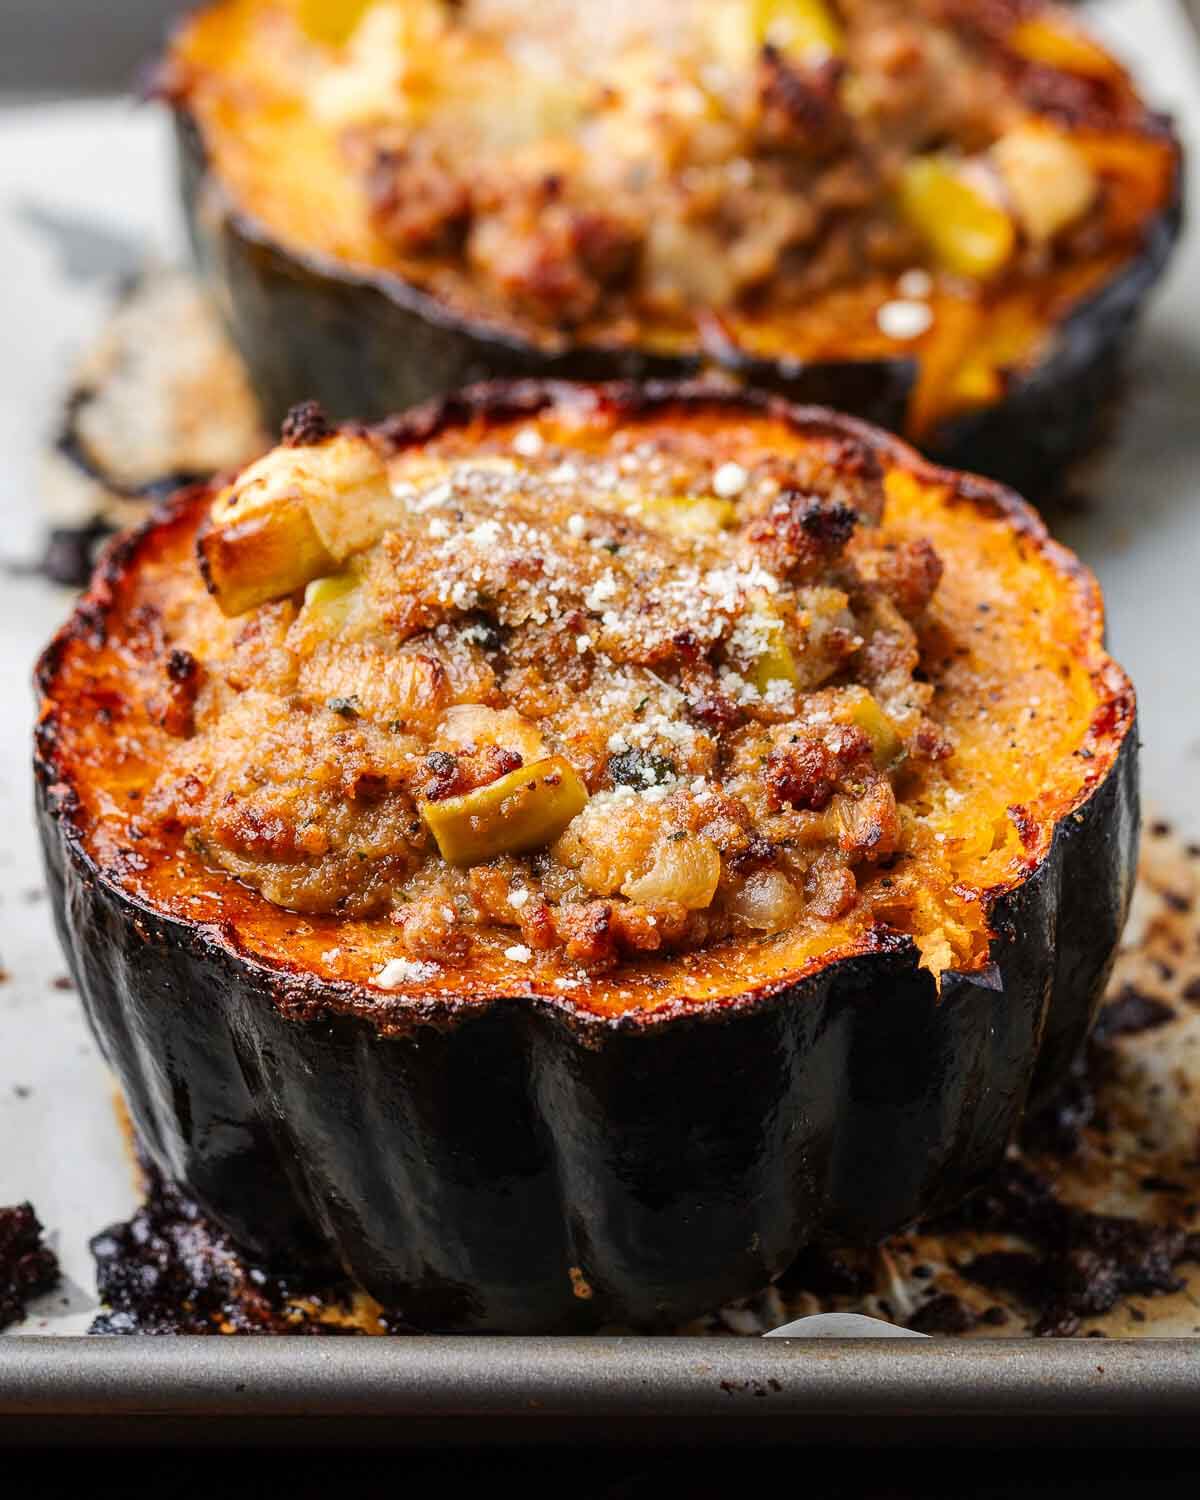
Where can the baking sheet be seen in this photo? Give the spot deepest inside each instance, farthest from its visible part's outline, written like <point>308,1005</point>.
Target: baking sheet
<point>84,195</point>
<point>912,1392</point>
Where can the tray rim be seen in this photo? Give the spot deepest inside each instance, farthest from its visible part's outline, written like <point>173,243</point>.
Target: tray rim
<point>431,1390</point>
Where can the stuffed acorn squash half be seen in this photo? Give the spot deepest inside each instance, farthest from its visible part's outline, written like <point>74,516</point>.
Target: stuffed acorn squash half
<point>557,852</point>
<point>942,215</point>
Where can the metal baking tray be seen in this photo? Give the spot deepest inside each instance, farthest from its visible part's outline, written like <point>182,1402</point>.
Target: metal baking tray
<point>84,196</point>
<point>623,1391</point>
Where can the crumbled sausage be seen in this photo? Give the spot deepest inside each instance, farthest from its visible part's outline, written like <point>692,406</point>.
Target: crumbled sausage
<point>805,772</point>
<point>908,572</point>
<point>451,775</point>
<point>419,201</point>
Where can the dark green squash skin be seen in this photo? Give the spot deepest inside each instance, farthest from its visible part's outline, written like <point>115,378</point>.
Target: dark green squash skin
<point>477,1165</point>
<point>366,346</point>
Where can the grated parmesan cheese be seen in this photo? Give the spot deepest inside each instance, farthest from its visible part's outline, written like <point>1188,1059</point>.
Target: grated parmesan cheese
<point>398,972</point>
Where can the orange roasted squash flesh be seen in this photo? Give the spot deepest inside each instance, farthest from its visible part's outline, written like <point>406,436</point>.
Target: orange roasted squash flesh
<point>1012,644</point>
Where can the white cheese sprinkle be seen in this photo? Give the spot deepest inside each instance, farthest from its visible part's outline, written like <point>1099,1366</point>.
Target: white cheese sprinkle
<point>903,319</point>
<point>583,643</point>
<point>401,971</point>
<point>331,955</point>
<point>519,897</point>
<point>486,534</point>
<point>604,589</point>
<point>463,596</point>
<point>519,953</point>
<point>431,499</point>
<point>438,529</point>
<point>916,283</point>
<point>576,525</point>
<point>528,442</point>
<point>729,480</point>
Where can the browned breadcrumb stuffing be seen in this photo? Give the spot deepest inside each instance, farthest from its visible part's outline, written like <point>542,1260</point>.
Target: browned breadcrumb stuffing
<point>611,703</point>
<point>725,654</point>
<point>304,425</point>
<point>700,155</point>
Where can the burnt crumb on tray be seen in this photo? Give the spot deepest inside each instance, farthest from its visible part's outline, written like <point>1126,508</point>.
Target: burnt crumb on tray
<point>1084,1262</point>
<point>28,1269</point>
<point>168,1269</point>
<point>1057,1130</point>
<point>1079,1263</point>
<point>1130,1012</point>
<point>944,1314</point>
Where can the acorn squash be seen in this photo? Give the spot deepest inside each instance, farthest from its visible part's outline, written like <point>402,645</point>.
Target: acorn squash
<point>689,988</point>
<point>944,218</point>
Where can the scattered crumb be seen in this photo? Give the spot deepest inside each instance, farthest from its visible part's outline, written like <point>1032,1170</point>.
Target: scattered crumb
<point>27,1268</point>
<point>169,1270</point>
